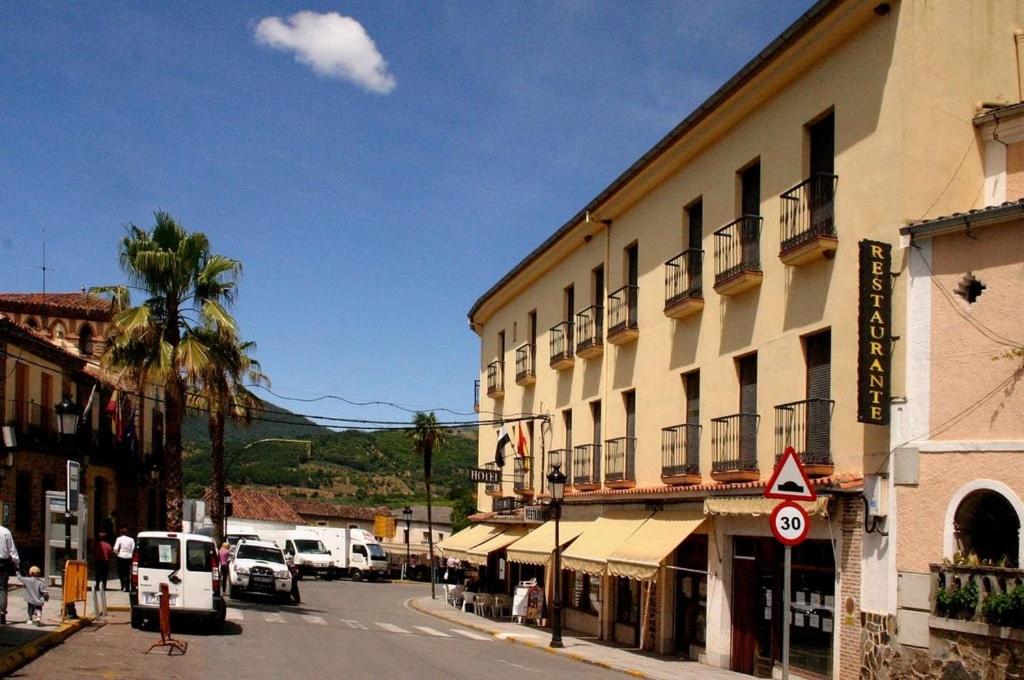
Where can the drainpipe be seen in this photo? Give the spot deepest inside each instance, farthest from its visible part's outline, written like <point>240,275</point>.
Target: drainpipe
<point>1018,39</point>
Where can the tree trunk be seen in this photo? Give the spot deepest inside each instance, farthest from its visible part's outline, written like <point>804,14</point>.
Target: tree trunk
<point>174,396</point>
<point>216,426</point>
<point>427,455</point>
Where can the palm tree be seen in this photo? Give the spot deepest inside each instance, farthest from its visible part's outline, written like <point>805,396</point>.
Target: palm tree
<point>222,394</point>
<point>187,287</point>
<point>427,435</point>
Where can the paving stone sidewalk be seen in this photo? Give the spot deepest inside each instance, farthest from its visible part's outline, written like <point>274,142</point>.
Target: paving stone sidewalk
<point>587,650</point>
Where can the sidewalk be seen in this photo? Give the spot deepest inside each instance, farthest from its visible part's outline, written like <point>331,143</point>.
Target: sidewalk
<point>638,664</point>
<point>20,641</point>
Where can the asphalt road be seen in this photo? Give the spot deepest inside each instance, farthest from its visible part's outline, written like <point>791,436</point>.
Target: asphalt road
<point>341,630</point>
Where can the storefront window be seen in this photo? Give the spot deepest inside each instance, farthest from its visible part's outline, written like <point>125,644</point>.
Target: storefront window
<point>627,601</point>
<point>691,593</point>
<point>581,592</point>
<point>813,607</point>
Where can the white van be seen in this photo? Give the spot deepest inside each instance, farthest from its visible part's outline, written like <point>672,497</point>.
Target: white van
<point>309,554</point>
<point>189,565</point>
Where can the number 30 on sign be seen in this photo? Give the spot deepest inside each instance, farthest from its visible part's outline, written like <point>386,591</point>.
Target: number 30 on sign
<point>790,523</point>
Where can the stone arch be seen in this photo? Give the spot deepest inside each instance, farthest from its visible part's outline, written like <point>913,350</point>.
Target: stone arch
<point>85,340</point>
<point>965,526</point>
<point>32,322</point>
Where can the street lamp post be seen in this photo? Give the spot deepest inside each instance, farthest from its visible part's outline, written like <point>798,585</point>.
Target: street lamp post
<point>228,509</point>
<point>556,485</point>
<point>407,515</point>
<point>68,413</point>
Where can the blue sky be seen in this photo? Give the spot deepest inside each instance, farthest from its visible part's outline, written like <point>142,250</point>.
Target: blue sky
<point>372,191</point>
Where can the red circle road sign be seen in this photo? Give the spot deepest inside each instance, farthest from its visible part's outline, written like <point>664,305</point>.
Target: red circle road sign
<point>790,523</point>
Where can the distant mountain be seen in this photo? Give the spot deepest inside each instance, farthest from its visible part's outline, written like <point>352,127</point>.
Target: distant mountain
<point>353,466</point>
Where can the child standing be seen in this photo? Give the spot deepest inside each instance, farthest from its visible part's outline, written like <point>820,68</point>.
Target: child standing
<point>35,595</point>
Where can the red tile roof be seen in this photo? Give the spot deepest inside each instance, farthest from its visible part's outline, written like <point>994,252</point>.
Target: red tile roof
<point>76,305</point>
<point>842,481</point>
<point>316,508</point>
<point>260,505</point>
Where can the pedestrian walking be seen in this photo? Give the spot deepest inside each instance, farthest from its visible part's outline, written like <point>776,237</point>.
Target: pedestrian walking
<point>35,595</point>
<point>124,547</point>
<point>102,554</point>
<point>9,565</point>
<point>225,555</point>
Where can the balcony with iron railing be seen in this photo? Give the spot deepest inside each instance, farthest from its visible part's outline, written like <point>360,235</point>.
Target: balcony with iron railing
<point>35,427</point>
<point>496,379</point>
<point>734,448</point>
<point>560,346</point>
<point>522,475</point>
<point>684,291</point>
<point>33,423</point>
<point>586,467</point>
<point>492,489</point>
<point>738,256</point>
<point>590,332</point>
<point>807,220</point>
<point>622,315</point>
<point>680,455</point>
<point>807,427</point>
<point>978,600</point>
<point>526,364</point>
<point>620,463</point>
<point>476,396</point>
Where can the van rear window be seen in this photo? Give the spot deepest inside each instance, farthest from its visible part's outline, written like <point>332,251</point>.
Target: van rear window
<point>159,553</point>
<point>198,555</point>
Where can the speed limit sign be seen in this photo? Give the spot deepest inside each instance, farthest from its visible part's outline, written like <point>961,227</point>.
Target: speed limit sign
<point>790,523</point>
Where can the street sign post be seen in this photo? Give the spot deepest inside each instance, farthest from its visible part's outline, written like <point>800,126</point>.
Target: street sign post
<point>485,476</point>
<point>790,524</point>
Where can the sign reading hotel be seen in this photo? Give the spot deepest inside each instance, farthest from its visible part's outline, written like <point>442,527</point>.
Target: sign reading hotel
<point>874,356</point>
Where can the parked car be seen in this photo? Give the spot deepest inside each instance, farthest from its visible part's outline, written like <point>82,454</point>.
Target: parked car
<point>259,567</point>
<point>309,554</point>
<point>189,565</point>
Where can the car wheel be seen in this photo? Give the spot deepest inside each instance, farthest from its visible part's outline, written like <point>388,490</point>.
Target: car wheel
<point>137,619</point>
<point>357,575</point>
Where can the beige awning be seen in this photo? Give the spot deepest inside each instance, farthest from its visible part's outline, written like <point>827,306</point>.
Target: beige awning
<point>746,505</point>
<point>643,552</point>
<point>458,544</point>
<point>478,554</point>
<point>536,547</point>
<point>590,552</point>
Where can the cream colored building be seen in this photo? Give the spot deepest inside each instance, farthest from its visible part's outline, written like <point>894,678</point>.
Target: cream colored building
<point>701,314</point>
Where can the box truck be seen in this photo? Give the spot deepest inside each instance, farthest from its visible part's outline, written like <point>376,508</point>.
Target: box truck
<point>309,553</point>
<point>355,553</point>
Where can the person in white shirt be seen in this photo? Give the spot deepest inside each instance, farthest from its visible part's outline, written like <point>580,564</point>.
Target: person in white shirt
<point>124,546</point>
<point>10,563</point>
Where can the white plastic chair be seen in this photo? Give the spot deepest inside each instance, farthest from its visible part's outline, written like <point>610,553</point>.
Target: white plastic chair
<point>484,604</point>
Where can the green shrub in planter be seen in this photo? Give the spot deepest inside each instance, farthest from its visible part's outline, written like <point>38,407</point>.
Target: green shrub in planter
<point>1005,609</point>
<point>959,602</point>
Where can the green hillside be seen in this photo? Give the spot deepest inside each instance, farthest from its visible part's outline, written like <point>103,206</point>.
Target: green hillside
<point>353,466</point>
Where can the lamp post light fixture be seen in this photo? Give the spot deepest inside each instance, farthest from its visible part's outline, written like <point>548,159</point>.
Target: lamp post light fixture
<point>407,515</point>
<point>228,509</point>
<point>556,484</point>
<point>68,413</point>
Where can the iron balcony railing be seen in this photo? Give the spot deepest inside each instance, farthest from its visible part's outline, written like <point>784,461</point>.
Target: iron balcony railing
<point>589,328</point>
<point>620,459</point>
<point>495,378</point>
<point>808,210</point>
<point>522,474</point>
<point>807,427</point>
<point>560,342</point>
<point>734,443</point>
<point>526,362</point>
<point>683,277</point>
<point>586,464</point>
<point>738,248</point>
<point>491,488</point>
<point>476,395</point>
<point>622,309</point>
<point>680,450</point>
<point>30,419</point>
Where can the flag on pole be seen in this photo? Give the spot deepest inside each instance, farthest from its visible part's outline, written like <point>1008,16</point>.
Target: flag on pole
<point>87,411</point>
<point>114,411</point>
<point>521,442</point>
<point>503,438</point>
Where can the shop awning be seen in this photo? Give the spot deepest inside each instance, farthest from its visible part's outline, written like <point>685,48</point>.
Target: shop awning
<point>478,555</point>
<point>458,544</point>
<point>746,505</point>
<point>602,537</point>
<point>536,547</point>
<point>643,552</point>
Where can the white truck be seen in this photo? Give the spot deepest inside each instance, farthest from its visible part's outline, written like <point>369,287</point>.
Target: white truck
<point>354,552</point>
<point>310,555</point>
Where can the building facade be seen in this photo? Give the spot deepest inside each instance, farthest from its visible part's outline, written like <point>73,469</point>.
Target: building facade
<point>703,313</point>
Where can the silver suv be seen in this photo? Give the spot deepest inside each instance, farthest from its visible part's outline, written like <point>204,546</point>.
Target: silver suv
<point>259,567</point>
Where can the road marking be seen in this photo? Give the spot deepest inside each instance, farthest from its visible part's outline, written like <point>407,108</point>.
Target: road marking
<point>273,618</point>
<point>471,635</point>
<point>352,623</point>
<point>513,636</point>
<point>309,618</point>
<point>392,628</point>
<point>431,631</point>
<point>235,615</point>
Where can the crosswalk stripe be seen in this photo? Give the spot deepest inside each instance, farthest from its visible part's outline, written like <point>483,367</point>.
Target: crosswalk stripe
<point>431,631</point>
<point>235,615</point>
<point>471,635</point>
<point>352,623</point>
<point>310,618</point>
<point>391,628</point>
<point>273,618</point>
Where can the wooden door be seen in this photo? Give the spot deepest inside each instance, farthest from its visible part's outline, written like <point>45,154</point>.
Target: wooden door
<point>744,614</point>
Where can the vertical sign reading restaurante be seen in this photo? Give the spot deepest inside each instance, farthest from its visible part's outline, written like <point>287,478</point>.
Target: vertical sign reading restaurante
<point>874,356</point>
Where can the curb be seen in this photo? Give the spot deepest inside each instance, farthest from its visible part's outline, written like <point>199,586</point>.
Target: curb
<point>20,656</point>
<point>527,643</point>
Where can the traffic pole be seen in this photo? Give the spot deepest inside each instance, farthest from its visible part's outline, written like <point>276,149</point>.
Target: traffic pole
<point>786,616</point>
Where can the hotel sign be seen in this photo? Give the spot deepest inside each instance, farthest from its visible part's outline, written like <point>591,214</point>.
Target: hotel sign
<point>874,360</point>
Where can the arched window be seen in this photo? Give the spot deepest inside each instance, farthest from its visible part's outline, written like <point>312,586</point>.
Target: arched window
<point>987,525</point>
<point>57,331</point>
<point>32,322</point>
<point>85,340</point>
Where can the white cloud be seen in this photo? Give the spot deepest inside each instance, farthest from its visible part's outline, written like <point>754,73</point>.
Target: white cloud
<point>332,45</point>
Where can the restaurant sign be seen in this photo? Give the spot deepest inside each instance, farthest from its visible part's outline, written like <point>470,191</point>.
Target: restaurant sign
<point>874,356</point>
<point>506,504</point>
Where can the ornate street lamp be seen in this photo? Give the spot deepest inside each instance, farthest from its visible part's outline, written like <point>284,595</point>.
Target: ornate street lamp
<point>68,413</point>
<point>556,484</point>
<point>407,515</point>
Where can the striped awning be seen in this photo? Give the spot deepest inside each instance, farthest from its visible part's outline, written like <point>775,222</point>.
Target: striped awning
<point>590,552</point>
<point>536,547</point>
<point>641,555</point>
<point>757,506</point>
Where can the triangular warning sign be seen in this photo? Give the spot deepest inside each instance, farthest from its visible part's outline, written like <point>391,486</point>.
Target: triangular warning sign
<point>789,482</point>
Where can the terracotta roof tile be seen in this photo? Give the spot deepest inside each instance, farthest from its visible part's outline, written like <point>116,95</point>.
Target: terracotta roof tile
<point>316,508</point>
<point>843,481</point>
<point>260,505</point>
<point>70,304</point>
